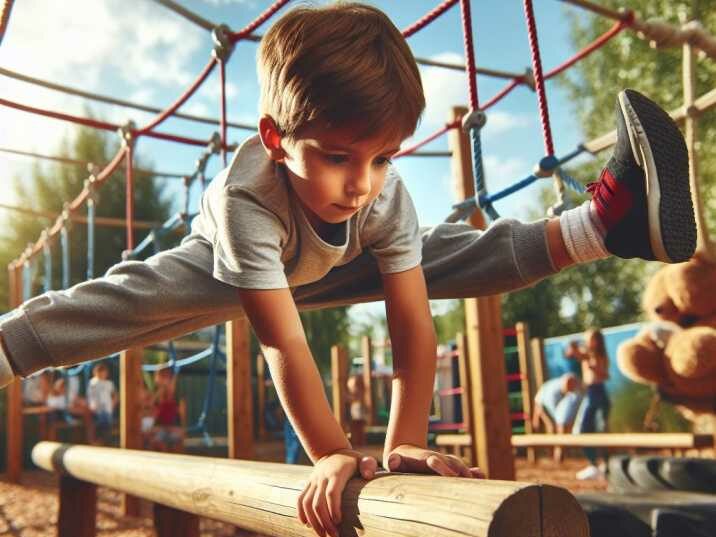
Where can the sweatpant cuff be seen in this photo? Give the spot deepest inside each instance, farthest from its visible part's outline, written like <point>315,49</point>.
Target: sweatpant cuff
<point>28,352</point>
<point>532,251</point>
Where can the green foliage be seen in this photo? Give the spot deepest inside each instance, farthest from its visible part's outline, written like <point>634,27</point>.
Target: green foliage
<point>50,187</point>
<point>448,324</point>
<point>630,405</point>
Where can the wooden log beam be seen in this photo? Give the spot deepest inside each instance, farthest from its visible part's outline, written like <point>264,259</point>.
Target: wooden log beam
<point>262,497</point>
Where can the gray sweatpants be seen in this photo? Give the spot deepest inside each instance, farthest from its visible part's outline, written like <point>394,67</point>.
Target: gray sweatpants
<point>172,293</point>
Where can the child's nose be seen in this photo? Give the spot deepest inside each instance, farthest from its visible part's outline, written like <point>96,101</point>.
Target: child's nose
<point>360,184</point>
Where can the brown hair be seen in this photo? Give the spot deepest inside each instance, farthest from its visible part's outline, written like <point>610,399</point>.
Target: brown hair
<point>339,64</point>
<point>601,349</point>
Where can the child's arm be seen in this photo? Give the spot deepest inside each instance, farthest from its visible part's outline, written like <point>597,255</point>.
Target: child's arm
<point>414,361</point>
<point>275,320</point>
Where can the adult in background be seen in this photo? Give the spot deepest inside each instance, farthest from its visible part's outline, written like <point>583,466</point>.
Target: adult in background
<point>595,373</point>
<point>556,405</point>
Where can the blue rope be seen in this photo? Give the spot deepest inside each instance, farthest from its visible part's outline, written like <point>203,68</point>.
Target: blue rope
<point>90,238</point>
<point>478,172</point>
<point>27,280</point>
<point>65,244</point>
<point>47,255</point>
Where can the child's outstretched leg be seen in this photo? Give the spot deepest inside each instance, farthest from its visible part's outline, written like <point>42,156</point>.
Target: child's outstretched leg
<point>641,206</point>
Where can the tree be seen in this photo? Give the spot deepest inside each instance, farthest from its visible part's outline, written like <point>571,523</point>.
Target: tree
<point>49,188</point>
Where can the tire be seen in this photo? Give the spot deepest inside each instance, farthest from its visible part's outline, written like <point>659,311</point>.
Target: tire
<point>618,474</point>
<point>667,522</point>
<point>607,521</point>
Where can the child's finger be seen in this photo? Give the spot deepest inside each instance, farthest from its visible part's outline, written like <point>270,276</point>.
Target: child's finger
<point>299,505</point>
<point>367,467</point>
<point>307,504</point>
<point>334,491</point>
<point>477,473</point>
<point>440,467</point>
<point>320,509</point>
<point>458,466</point>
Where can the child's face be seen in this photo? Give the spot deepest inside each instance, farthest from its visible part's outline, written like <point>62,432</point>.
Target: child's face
<point>333,174</point>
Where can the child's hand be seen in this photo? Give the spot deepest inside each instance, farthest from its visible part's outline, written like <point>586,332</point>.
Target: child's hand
<point>319,505</point>
<point>416,460</point>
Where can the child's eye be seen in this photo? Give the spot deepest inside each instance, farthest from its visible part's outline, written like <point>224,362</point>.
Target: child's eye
<point>383,161</point>
<point>335,158</point>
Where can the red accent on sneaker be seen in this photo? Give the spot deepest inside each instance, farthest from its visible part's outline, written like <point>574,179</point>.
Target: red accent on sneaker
<point>611,198</point>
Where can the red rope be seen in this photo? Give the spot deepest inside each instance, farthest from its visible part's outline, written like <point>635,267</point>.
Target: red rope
<point>129,206</point>
<point>243,33</point>
<point>428,18</point>
<point>502,93</point>
<point>58,115</point>
<point>182,98</point>
<point>469,52</point>
<point>88,122</point>
<point>586,51</point>
<point>539,78</point>
<point>222,126</point>
<point>5,17</point>
<point>407,151</point>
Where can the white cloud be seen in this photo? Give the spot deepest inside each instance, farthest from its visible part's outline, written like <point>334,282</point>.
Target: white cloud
<point>499,122</point>
<point>501,172</point>
<point>198,108</point>
<point>444,88</point>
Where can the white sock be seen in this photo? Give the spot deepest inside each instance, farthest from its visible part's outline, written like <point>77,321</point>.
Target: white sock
<point>582,236</point>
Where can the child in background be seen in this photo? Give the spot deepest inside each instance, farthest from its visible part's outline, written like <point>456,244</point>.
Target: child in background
<point>167,434</point>
<point>556,404</point>
<point>356,393</point>
<point>63,404</point>
<point>102,399</point>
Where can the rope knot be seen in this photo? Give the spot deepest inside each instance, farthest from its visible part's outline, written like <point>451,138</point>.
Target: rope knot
<point>126,133</point>
<point>475,119</point>
<point>627,16</point>
<point>528,79</point>
<point>223,46</point>
<point>546,166</point>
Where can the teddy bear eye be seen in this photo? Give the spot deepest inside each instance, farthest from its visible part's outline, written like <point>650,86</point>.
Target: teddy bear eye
<point>658,309</point>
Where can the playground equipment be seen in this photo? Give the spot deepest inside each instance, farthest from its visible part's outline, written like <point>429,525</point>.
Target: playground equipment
<point>489,416</point>
<point>261,497</point>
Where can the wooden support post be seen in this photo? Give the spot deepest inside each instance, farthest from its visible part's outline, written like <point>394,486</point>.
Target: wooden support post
<point>339,377</point>
<point>239,397</point>
<point>490,427</point>
<point>367,351</point>
<point>523,355</point>
<point>14,432</point>
<point>463,363</point>
<point>538,363</point>
<point>78,508</point>
<point>703,244</point>
<point>170,522</point>
<point>130,432</point>
<point>261,394</point>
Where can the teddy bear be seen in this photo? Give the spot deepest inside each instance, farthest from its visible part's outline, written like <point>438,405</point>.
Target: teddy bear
<point>676,351</point>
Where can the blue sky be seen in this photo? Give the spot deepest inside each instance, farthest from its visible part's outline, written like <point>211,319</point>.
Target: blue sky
<point>139,50</point>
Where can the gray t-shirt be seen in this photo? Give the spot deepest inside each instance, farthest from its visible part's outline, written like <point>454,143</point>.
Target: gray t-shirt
<point>262,239</point>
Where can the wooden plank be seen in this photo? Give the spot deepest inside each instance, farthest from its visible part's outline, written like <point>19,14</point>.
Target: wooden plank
<point>527,383</point>
<point>261,394</point>
<point>261,497</point>
<point>490,420</point>
<point>14,432</point>
<point>339,376</point>
<point>239,398</point>
<point>367,351</point>
<point>635,440</point>
<point>170,522</point>
<point>77,516</point>
<point>130,432</point>
<point>631,440</point>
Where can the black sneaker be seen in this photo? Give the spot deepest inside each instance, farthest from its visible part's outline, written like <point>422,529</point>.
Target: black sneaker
<point>643,197</point>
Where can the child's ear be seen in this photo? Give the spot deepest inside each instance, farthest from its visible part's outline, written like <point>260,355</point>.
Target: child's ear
<point>271,138</point>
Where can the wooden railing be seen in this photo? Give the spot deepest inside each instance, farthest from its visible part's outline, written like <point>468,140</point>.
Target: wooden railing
<point>261,497</point>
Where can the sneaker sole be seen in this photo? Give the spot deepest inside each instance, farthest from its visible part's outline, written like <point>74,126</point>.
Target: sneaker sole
<point>657,144</point>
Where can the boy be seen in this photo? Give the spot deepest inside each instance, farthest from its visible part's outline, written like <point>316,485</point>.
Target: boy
<point>102,398</point>
<point>311,213</point>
